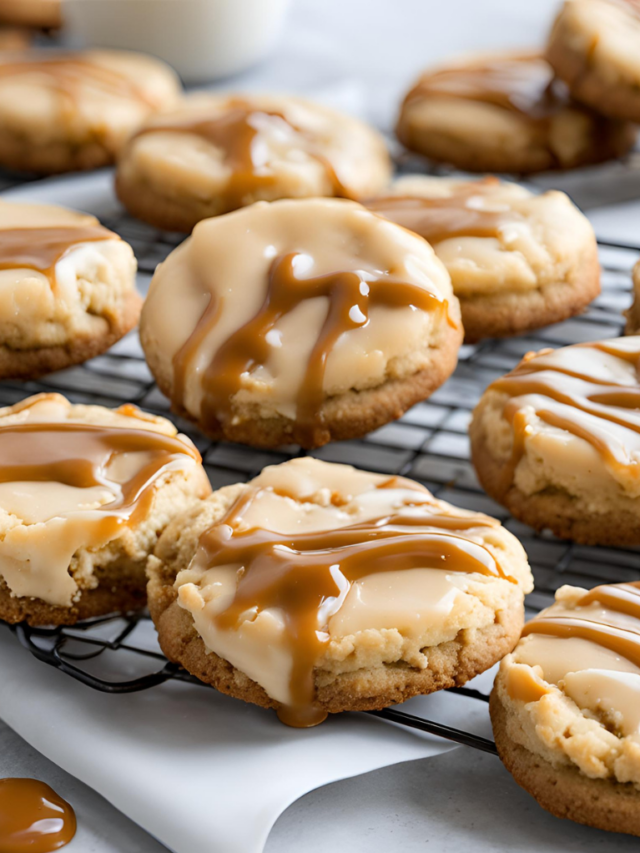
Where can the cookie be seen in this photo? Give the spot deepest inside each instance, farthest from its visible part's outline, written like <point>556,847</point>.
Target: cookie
<point>67,289</point>
<point>299,322</point>
<point>84,494</point>
<point>506,113</point>
<point>594,47</point>
<point>316,588</point>
<point>632,314</point>
<point>61,112</point>
<point>565,707</point>
<point>557,441</point>
<point>517,261</point>
<point>39,14</point>
<point>217,153</point>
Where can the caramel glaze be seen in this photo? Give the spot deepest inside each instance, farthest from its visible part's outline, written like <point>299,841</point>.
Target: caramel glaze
<point>622,598</point>
<point>575,402</point>
<point>438,219</point>
<point>70,74</point>
<point>306,576</point>
<point>33,818</point>
<point>77,455</point>
<point>521,84</point>
<point>350,295</point>
<point>41,248</point>
<point>235,132</point>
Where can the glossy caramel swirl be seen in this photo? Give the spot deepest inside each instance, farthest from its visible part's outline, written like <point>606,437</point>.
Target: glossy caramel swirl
<point>583,390</point>
<point>33,818</point>
<point>237,132</point>
<point>623,640</point>
<point>41,248</point>
<point>78,455</point>
<point>350,295</point>
<point>71,486</point>
<point>441,218</point>
<point>522,84</point>
<point>306,575</point>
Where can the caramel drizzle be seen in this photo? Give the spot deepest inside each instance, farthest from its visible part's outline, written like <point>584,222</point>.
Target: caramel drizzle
<point>236,132</point>
<point>41,248</point>
<point>306,575</point>
<point>78,455</point>
<point>68,75</point>
<point>622,598</point>
<point>523,85</point>
<point>438,219</point>
<point>350,295</point>
<point>33,817</point>
<point>576,402</point>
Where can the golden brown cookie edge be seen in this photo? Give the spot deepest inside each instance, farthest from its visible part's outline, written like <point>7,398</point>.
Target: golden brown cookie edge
<point>31,363</point>
<point>565,791</point>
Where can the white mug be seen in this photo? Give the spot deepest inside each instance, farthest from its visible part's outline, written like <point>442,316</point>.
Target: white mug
<point>202,39</point>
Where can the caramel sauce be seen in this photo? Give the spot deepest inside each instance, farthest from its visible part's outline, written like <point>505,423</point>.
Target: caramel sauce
<point>622,598</point>
<point>70,74</point>
<point>305,575</point>
<point>33,818</point>
<point>235,132</point>
<point>350,295</point>
<point>523,686</point>
<point>438,219</point>
<point>41,248</point>
<point>572,400</point>
<point>521,84</point>
<point>78,455</point>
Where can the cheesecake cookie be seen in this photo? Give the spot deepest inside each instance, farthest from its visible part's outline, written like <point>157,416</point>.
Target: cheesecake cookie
<point>517,261</point>
<point>316,588</point>
<point>84,494</point>
<point>557,441</point>
<point>594,47</point>
<point>506,113</point>
<point>67,289</point>
<point>217,153</point>
<point>38,14</point>
<point>632,314</point>
<point>61,112</point>
<point>299,321</point>
<point>565,707</point>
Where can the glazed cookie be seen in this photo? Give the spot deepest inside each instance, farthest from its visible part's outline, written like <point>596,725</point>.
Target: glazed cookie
<point>595,48</point>
<point>317,588</point>
<point>299,321</point>
<point>63,112</point>
<point>67,289</point>
<point>39,14</point>
<point>633,313</point>
<point>517,261</point>
<point>557,441</point>
<point>84,494</point>
<point>565,707</point>
<point>506,113</point>
<point>217,153</point>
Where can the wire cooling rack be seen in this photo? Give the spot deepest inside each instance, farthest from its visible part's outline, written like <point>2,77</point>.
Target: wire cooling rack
<point>429,443</point>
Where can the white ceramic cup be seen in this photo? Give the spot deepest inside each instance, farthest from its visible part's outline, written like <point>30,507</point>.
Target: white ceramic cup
<point>202,39</point>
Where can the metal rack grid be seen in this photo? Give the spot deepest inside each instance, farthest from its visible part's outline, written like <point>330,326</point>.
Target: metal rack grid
<point>429,443</point>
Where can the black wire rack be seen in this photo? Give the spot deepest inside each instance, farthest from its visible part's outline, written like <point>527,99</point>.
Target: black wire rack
<point>429,443</point>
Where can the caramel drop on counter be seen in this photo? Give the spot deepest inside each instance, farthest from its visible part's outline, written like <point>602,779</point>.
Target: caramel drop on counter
<point>33,818</point>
